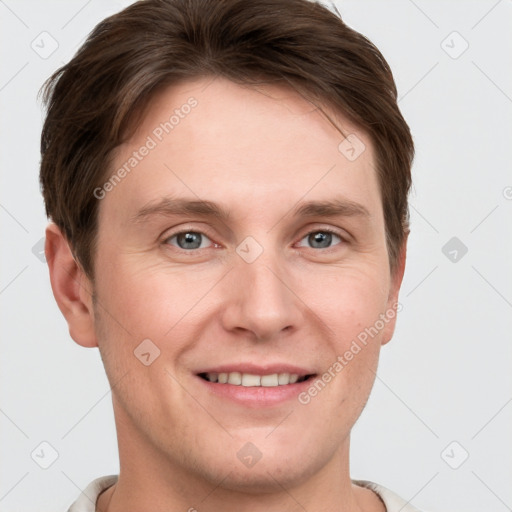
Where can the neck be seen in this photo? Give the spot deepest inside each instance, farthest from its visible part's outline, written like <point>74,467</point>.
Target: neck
<point>148,480</point>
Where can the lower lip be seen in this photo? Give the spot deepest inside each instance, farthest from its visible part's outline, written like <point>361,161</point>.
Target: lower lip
<point>257,396</point>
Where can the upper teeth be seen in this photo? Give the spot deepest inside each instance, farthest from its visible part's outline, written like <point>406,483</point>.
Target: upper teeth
<point>248,379</point>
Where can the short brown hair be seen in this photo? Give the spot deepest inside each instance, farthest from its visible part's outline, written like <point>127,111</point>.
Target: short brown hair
<point>94,102</point>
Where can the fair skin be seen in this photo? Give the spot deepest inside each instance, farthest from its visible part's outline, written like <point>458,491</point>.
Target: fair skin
<point>258,154</point>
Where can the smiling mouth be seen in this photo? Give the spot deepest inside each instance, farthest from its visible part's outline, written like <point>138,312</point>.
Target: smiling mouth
<point>252,380</point>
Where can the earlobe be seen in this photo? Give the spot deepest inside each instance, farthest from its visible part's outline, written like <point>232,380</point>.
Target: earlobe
<point>72,289</point>
<point>393,305</point>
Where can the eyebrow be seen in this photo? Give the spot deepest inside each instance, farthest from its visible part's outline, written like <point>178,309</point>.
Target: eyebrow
<point>337,207</point>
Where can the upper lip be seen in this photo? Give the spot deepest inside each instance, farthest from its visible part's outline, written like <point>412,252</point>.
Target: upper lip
<point>254,369</point>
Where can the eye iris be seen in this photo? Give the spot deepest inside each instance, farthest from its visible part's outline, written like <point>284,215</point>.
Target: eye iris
<point>190,240</point>
<point>320,240</point>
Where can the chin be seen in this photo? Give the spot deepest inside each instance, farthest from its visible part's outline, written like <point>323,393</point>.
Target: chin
<point>269,465</point>
<point>265,477</point>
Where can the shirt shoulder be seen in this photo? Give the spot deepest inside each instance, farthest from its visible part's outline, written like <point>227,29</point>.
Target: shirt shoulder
<point>392,501</point>
<point>86,502</point>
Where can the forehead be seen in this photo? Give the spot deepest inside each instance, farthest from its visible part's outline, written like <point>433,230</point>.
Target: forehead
<point>219,141</point>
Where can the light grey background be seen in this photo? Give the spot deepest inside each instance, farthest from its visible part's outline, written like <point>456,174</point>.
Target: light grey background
<point>446,376</point>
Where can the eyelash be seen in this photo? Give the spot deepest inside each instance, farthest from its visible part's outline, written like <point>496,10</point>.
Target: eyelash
<point>326,230</point>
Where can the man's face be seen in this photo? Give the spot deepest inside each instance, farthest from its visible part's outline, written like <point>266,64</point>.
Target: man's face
<point>269,289</point>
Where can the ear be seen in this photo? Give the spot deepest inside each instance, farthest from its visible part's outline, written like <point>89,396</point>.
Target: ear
<point>393,306</point>
<point>71,287</point>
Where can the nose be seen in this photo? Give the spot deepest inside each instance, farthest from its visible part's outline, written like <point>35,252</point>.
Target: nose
<point>260,299</point>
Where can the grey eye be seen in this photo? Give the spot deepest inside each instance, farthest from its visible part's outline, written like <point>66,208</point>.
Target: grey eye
<point>188,240</point>
<point>321,239</point>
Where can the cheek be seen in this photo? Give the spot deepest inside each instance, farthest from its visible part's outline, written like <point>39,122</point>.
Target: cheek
<point>140,302</point>
<point>151,300</point>
<point>147,300</point>
<point>347,300</point>
<point>351,307</point>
